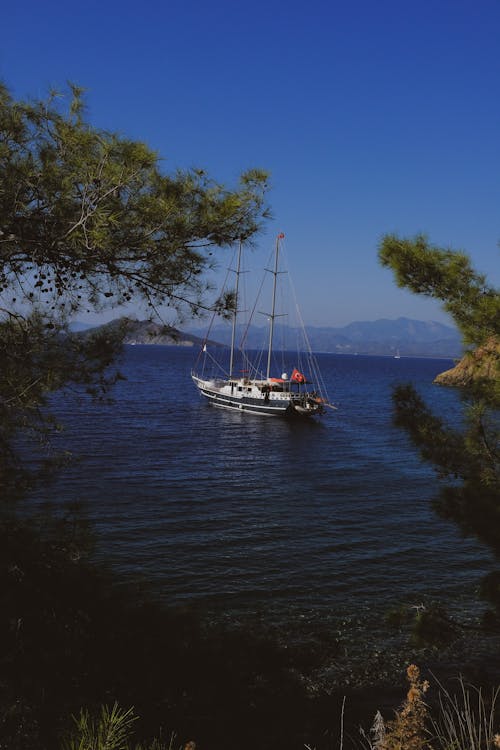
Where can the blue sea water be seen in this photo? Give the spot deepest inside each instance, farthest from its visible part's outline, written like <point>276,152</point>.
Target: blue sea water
<point>244,516</point>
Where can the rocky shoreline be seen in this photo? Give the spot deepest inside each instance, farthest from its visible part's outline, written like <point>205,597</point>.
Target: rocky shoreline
<point>481,363</point>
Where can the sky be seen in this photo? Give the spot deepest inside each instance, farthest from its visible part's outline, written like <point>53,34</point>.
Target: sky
<point>371,117</point>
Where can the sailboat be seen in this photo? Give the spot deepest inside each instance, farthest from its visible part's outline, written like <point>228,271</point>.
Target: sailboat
<point>263,392</point>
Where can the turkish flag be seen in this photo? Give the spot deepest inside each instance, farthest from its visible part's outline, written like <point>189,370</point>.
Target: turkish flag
<point>297,376</point>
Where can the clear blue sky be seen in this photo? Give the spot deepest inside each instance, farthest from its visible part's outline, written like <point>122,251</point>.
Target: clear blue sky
<point>371,117</point>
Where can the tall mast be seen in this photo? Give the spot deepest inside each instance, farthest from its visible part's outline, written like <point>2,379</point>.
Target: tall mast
<point>273,309</point>
<point>235,312</point>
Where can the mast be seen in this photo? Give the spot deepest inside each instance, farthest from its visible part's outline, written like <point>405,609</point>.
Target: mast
<point>235,312</point>
<point>273,308</point>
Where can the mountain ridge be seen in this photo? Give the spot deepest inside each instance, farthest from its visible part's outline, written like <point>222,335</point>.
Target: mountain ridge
<point>383,337</point>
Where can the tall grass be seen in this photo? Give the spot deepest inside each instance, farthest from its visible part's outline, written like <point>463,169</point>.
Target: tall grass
<point>466,720</point>
<point>112,730</point>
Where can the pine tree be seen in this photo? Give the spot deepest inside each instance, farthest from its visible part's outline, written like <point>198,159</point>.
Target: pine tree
<point>89,221</point>
<point>470,456</point>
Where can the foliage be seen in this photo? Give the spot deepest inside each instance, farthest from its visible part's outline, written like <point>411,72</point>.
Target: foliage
<point>468,456</point>
<point>428,625</point>
<point>407,730</point>
<point>71,636</point>
<point>433,627</point>
<point>88,221</point>
<point>86,215</point>
<point>466,720</point>
<point>448,276</point>
<point>38,358</point>
<point>110,731</point>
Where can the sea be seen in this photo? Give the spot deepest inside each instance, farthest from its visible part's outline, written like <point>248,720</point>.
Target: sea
<point>313,531</point>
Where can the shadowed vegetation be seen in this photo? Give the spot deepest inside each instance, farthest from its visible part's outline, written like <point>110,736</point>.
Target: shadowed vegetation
<point>89,221</point>
<point>468,458</point>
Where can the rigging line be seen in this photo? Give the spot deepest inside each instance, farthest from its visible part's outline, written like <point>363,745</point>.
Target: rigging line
<point>218,364</point>
<point>313,360</point>
<point>214,313</point>
<point>224,287</point>
<point>257,367</point>
<point>251,316</point>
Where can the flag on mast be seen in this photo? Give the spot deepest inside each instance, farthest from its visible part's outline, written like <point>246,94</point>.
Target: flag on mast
<point>297,376</point>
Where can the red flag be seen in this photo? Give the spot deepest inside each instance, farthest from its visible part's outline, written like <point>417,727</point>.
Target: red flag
<point>297,376</point>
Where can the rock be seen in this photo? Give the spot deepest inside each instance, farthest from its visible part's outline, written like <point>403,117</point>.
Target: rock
<point>481,363</point>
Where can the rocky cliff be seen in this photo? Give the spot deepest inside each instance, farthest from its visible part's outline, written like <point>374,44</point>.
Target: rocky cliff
<point>483,362</point>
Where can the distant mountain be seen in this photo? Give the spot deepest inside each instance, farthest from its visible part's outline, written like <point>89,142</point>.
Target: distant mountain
<point>401,330</point>
<point>380,337</point>
<point>411,338</point>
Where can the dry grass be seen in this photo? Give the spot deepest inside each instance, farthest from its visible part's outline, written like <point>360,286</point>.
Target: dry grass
<point>466,720</point>
<point>463,721</point>
<point>407,731</point>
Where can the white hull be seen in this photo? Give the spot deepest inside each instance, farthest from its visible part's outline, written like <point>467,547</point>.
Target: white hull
<point>259,397</point>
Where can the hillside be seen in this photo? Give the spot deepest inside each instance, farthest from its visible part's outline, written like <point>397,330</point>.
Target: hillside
<point>483,362</point>
<point>148,332</point>
<point>412,338</point>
